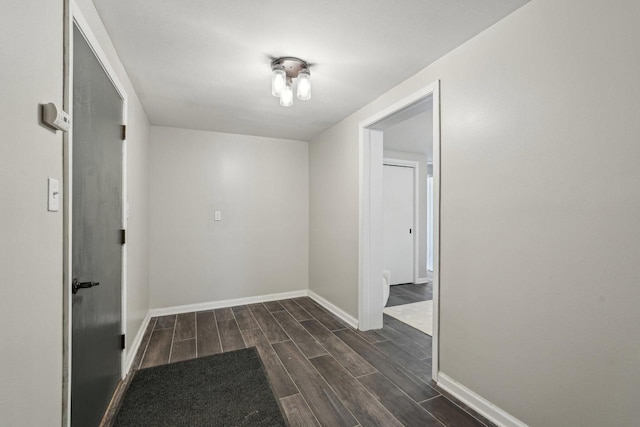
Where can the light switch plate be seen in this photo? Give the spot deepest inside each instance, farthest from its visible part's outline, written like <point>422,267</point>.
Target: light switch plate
<point>217,216</point>
<point>53,203</point>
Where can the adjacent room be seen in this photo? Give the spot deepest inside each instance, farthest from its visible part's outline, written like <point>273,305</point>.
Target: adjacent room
<point>320,213</point>
<point>407,215</point>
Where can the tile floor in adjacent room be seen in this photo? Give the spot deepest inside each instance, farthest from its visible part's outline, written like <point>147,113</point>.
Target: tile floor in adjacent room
<point>322,371</point>
<point>410,293</point>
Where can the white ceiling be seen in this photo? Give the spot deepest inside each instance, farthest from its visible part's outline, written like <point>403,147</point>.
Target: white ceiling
<point>205,64</point>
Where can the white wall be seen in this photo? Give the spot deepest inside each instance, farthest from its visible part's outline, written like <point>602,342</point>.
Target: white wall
<point>413,135</point>
<point>30,237</point>
<point>261,186</point>
<point>137,183</point>
<point>540,147</point>
<point>333,216</point>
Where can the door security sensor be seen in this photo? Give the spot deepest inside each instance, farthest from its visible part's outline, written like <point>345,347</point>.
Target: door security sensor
<point>55,117</point>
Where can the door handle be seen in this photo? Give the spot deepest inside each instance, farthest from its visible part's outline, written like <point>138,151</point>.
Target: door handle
<point>76,286</point>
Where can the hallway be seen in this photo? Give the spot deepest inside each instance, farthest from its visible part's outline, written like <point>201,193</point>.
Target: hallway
<point>322,371</point>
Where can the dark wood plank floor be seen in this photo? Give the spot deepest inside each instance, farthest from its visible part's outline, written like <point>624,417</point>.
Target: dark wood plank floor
<point>410,293</point>
<point>322,371</point>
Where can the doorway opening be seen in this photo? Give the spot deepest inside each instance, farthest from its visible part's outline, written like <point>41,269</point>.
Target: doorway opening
<point>399,216</point>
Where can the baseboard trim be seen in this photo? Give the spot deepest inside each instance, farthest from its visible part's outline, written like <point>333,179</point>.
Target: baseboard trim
<point>477,402</point>
<point>337,311</point>
<point>422,280</point>
<point>135,345</point>
<point>225,303</point>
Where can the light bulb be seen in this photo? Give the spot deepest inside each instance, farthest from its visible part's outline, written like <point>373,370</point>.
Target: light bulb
<point>286,99</point>
<point>278,80</point>
<point>304,85</point>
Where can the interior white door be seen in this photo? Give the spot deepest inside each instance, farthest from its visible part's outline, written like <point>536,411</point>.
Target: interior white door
<point>398,222</point>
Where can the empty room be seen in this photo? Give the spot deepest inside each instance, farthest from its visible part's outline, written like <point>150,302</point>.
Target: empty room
<point>320,213</point>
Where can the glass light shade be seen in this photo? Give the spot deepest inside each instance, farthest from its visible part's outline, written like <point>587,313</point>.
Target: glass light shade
<point>286,99</point>
<point>278,81</point>
<point>304,85</point>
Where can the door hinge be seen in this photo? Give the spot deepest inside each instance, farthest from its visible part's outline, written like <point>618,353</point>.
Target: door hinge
<point>123,236</point>
<point>124,132</point>
<point>122,342</point>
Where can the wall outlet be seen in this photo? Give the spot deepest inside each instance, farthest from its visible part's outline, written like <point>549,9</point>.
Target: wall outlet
<point>217,216</point>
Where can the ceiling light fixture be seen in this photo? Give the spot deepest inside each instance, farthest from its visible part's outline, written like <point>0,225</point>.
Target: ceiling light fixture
<point>284,70</point>
<point>286,98</point>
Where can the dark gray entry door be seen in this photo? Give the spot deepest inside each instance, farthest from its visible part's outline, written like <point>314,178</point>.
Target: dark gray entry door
<point>96,245</point>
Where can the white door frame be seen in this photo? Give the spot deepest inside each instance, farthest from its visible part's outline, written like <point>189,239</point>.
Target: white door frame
<point>429,222</point>
<point>73,16</point>
<point>416,209</point>
<point>370,215</point>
